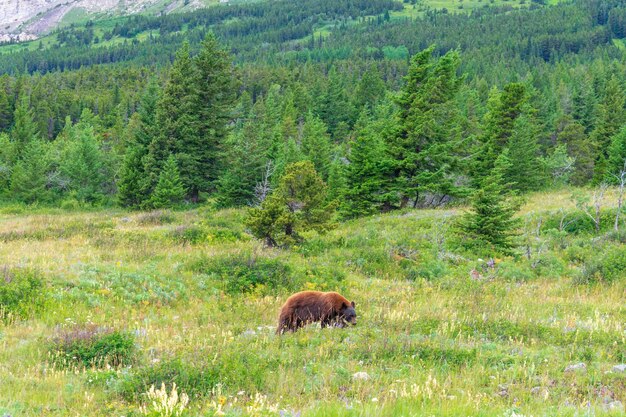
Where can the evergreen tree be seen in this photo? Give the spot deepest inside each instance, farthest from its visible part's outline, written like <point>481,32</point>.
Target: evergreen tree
<point>610,120</point>
<point>337,184</point>
<point>29,175</point>
<point>490,221</point>
<point>6,113</point>
<point>215,95</point>
<point>369,90</point>
<point>503,109</point>
<point>245,161</point>
<point>133,185</point>
<point>7,159</point>
<point>579,146</point>
<point>298,204</point>
<point>316,145</point>
<point>367,172</point>
<point>526,171</point>
<point>25,129</point>
<point>83,163</point>
<point>423,144</point>
<point>176,121</point>
<point>616,157</point>
<point>169,191</point>
<point>334,106</point>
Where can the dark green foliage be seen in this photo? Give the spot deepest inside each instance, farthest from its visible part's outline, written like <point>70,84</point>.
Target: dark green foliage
<point>616,157</point>
<point>490,221</point>
<point>93,346</point>
<point>25,129</point>
<point>28,177</point>
<point>298,205</point>
<point>169,191</point>
<point>132,185</point>
<point>609,267</point>
<point>22,294</point>
<point>423,146</point>
<point>248,273</point>
<point>316,145</point>
<point>526,172</point>
<point>504,108</point>
<point>367,174</point>
<point>580,147</point>
<point>82,163</point>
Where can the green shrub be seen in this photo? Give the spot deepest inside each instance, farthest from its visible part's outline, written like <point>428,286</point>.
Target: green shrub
<point>246,273</point>
<point>156,217</point>
<point>191,378</point>
<point>22,293</point>
<point>607,267</point>
<point>429,270</point>
<point>93,346</point>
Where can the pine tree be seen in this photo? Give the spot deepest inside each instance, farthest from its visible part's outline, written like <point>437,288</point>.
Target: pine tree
<point>29,175</point>
<point>367,172</point>
<point>503,109</point>
<point>215,95</point>
<point>334,106</point>
<point>7,159</point>
<point>579,146</point>
<point>610,120</point>
<point>83,164</point>
<point>490,221</point>
<point>369,90</point>
<point>176,118</point>
<point>337,184</point>
<point>132,185</point>
<point>526,171</point>
<point>616,157</point>
<point>299,204</point>
<point>169,191</point>
<point>316,145</point>
<point>6,113</point>
<point>25,129</point>
<point>245,161</point>
<point>423,145</point>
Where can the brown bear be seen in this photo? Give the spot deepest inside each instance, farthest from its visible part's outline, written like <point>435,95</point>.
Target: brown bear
<point>329,308</point>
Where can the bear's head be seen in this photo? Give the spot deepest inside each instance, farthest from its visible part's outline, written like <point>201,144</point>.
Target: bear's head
<point>347,315</point>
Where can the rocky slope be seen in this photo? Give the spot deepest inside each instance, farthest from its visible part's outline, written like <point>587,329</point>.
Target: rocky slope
<point>26,19</point>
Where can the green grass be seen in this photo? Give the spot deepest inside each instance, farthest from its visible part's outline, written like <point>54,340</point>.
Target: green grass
<point>433,340</point>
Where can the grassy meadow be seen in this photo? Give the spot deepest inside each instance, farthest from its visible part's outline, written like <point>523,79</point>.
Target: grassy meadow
<point>98,306</point>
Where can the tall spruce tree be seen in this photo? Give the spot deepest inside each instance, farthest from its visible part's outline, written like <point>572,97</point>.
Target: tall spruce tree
<point>611,119</point>
<point>215,94</point>
<point>367,174</point>
<point>132,185</point>
<point>504,108</point>
<point>316,145</point>
<point>526,171</point>
<point>25,128</point>
<point>83,163</point>
<point>616,157</point>
<point>491,220</point>
<point>169,191</point>
<point>423,144</point>
<point>176,120</point>
<point>29,175</point>
<point>580,147</point>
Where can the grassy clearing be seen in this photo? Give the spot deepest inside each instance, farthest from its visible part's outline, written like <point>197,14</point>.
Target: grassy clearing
<point>440,331</point>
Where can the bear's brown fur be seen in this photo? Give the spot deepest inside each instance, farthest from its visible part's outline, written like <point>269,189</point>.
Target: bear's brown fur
<point>329,308</point>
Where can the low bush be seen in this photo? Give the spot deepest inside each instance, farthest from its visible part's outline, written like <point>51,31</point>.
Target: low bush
<point>22,293</point>
<point>607,267</point>
<point>156,217</point>
<point>93,346</point>
<point>248,273</point>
